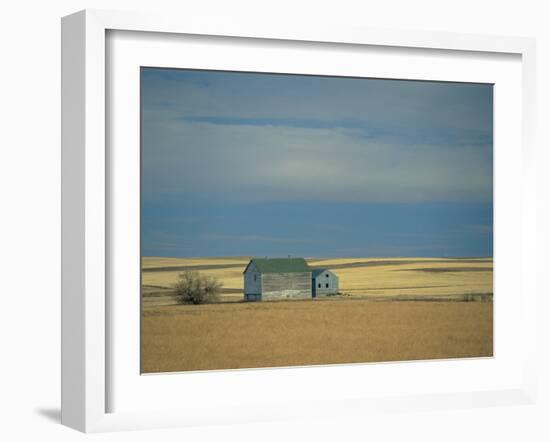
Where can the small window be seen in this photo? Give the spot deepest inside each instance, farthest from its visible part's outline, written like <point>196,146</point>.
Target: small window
<point>254,276</point>
<point>326,275</point>
<point>318,286</point>
<point>326,285</point>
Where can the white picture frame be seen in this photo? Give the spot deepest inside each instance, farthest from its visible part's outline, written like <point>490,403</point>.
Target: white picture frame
<point>86,203</point>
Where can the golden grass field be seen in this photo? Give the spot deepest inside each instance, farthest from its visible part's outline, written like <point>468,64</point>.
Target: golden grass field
<point>359,277</point>
<point>271,334</point>
<point>390,309</point>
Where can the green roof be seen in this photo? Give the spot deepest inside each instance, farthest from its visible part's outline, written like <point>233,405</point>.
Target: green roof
<point>280,265</point>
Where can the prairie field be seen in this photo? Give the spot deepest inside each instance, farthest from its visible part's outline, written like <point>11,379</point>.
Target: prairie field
<point>311,332</point>
<point>371,278</point>
<point>388,309</point>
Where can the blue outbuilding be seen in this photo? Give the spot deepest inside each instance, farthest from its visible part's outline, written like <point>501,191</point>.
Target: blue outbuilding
<point>323,282</point>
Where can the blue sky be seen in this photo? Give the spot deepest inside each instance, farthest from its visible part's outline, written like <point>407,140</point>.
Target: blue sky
<point>239,164</point>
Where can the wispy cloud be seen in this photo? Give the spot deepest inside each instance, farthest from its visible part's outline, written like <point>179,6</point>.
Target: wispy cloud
<point>279,162</point>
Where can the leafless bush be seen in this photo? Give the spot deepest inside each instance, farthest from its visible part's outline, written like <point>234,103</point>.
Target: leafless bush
<point>194,288</point>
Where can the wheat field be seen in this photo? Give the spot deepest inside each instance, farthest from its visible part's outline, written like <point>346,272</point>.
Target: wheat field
<point>311,332</point>
<point>389,309</point>
<point>359,277</point>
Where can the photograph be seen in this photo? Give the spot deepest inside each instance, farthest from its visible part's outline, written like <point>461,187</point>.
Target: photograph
<point>302,220</point>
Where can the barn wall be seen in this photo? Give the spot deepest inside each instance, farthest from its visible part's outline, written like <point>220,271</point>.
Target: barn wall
<point>286,286</point>
<point>252,287</point>
<point>332,281</point>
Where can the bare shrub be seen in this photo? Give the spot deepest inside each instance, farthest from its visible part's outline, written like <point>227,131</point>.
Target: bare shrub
<point>194,288</point>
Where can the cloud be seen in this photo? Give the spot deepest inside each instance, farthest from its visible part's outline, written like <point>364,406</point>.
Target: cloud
<point>282,137</point>
<point>284,162</point>
<point>386,104</point>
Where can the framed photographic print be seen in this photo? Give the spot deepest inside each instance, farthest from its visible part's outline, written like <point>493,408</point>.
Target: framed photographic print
<point>371,197</point>
<point>249,213</point>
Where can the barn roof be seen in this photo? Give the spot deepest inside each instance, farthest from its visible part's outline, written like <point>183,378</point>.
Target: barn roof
<point>317,272</point>
<point>280,265</point>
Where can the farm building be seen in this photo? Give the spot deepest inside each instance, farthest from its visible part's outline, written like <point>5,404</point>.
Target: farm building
<point>277,278</point>
<point>323,282</point>
<point>286,278</point>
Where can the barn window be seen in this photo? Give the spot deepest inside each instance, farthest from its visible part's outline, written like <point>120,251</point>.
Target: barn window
<point>326,285</point>
<point>318,286</point>
<point>326,275</point>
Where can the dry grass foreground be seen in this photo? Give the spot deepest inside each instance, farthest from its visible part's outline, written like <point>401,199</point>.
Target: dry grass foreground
<point>311,332</point>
